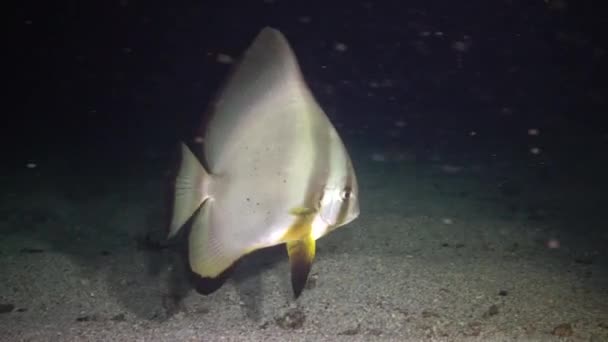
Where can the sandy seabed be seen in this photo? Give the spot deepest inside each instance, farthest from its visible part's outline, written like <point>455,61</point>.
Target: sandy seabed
<point>440,253</point>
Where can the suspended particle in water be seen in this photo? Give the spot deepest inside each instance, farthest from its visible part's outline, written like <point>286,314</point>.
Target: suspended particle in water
<point>378,157</point>
<point>533,132</point>
<point>459,46</point>
<point>304,19</point>
<point>451,169</point>
<point>553,243</point>
<point>400,123</point>
<point>340,47</point>
<point>224,58</point>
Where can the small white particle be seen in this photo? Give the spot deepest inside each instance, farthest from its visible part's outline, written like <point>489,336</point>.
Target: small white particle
<point>31,165</point>
<point>198,140</point>
<point>378,157</point>
<point>451,169</point>
<point>447,220</point>
<point>304,19</point>
<point>535,150</point>
<point>533,132</point>
<point>224,59</point>
<point>472,133</point>
<point>400,123</point>
<point>553,243</point>
<point>460,46</point>
<point>340,47</point>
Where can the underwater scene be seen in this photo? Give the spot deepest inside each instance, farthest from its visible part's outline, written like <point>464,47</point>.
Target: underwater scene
<point>276,170</point>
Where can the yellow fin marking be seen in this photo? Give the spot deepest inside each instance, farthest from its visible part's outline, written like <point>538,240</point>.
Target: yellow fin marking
<point>301,211</point>
<point>302,226</point>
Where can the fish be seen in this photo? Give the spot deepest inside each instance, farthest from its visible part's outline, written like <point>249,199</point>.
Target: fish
<point>270,169</point>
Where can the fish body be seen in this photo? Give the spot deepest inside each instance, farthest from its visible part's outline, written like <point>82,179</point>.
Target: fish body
<point>276,170</point>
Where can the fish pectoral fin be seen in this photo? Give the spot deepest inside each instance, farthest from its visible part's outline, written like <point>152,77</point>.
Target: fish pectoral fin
<point>211,256</point>
<point>301,211</point>
<point>301,255</point>
<point>189,192</point>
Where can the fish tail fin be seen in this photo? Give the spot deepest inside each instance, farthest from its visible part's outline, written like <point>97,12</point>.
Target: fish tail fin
<point>191,187</point>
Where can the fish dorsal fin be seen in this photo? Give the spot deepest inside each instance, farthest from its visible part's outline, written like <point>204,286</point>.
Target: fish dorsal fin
<point>261,90</point>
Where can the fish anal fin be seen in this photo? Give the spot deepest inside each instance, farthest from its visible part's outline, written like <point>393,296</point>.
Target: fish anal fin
<point>212,256</point>
<point>207,285</point>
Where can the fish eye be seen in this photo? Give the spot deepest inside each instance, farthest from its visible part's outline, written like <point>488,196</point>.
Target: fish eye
<point>346,194</point>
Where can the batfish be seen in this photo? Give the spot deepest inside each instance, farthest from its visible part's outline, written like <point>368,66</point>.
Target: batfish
<point>272,170</point>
